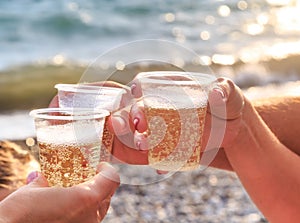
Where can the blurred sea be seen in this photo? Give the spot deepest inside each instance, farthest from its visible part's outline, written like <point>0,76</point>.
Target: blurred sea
<point>254,42</point>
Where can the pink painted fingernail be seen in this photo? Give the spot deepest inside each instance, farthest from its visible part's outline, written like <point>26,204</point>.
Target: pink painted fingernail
<point>138,145</point>
<point>133,87</point>
<point>136,122</point>
<point>221,92</point>
<point>161,172</point>
<point>141,146</point>
<point>32,176</point>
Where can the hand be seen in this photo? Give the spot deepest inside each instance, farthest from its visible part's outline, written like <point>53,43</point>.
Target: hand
<point>226,103</point>
<point>122,124</point>
<point>129,124</point>
<point>36,202</point>
<point>127,131</point>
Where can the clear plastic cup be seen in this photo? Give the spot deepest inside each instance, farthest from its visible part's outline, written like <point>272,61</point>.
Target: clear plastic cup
<point>175,105</point>
<point>69,143</point>
<point>90,96</point>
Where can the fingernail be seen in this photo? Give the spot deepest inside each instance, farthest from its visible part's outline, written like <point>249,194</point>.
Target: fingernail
<point>138,145</point>
<point>141,146</point>
<point>161,172</point>
<point>108,171</point>
<point>220,91</point>
<point>133,87</point>
<point>103,166</point>
<point>136,122</point>
<point>32,176</point>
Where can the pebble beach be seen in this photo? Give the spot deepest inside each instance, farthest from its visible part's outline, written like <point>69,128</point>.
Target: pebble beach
<point>208,196</point>
<point>203,195</point>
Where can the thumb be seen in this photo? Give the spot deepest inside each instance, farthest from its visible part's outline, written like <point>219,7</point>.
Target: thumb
<point>54,102</point>
<point>36,179</point>
<point>226,100</point>
<point>105,182</point>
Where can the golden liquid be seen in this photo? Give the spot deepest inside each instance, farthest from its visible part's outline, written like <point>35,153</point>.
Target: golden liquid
<point>107,141</point>
<point>175,143</point>
<point>68,165</point>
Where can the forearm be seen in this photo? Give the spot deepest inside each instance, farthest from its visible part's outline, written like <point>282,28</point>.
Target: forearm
<point>267,169</point>
<point>281,114</point>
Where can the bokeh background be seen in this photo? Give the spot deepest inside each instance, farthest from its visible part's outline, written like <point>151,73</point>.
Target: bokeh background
<point>254,42</point>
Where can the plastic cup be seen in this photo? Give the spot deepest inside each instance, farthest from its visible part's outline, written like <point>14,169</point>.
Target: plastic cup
<point>69,143</point>
<point>89,96</point>
<point>175,106</point>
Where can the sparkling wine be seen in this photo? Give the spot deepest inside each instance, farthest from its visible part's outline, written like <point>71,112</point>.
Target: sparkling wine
<point>175,137</point>
<point>68,165</point>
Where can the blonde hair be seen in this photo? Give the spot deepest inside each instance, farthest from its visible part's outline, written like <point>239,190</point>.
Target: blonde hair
<point>15,164</point>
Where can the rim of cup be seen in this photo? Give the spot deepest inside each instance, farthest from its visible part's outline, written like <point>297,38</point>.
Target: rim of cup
<point>69,113</point>
<point>169,78</point>
<point>89,89</point>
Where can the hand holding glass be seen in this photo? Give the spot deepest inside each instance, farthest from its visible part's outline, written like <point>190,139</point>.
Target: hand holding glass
<point>70,143</point>
<point>90,96</point>
<point>175,106</point>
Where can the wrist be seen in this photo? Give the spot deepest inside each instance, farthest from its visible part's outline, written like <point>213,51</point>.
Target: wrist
<point>254,142</point>
<point>253,133</point>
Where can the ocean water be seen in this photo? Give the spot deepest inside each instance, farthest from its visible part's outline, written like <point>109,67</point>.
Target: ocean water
<point>254,42</point>
<point>80,30</point>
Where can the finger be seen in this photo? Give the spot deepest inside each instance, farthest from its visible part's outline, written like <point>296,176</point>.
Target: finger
<point>226,100</point>
<point>105,183</point>
<point>161,172</point>
<point>120,123</point>
<point>141,142</point>
<point>136,89</point>
<point>36,179</point>
<point>103,208</point>
<point>108,171</point>
<point>54,102</point>
<point>235,98</point>
<point>138,117</point>
<point>127,154</point>
<point>123,130</point>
